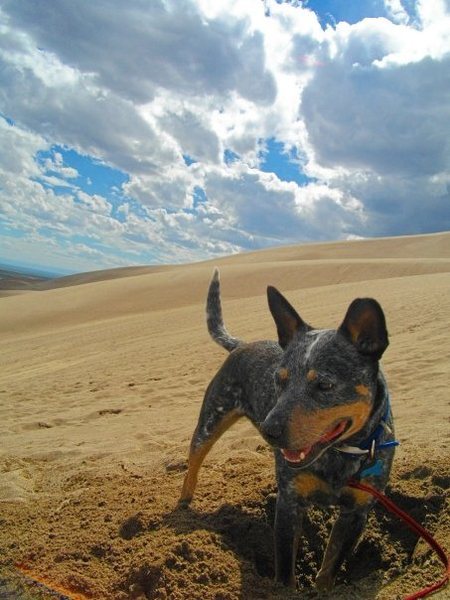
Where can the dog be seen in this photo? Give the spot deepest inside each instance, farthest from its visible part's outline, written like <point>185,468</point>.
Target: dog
<point>319,398</point>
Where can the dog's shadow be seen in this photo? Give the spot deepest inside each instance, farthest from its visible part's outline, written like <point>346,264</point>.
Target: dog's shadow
<point>247,531</point>
<point>249,536</point>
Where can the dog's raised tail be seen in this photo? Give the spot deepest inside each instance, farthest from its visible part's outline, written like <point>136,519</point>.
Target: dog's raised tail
<point>214,318</point>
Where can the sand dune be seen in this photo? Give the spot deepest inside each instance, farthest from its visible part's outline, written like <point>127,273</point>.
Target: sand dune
<point>101,381</point>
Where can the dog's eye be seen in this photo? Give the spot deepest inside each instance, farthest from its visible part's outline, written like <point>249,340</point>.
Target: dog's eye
<point>325,386</point>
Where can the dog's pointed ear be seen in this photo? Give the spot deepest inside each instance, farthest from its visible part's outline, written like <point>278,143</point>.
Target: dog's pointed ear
<point>364,326</point>
<point>286,318</point>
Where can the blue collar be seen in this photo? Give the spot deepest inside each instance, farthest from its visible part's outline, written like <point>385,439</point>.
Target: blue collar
<point>372,443</point>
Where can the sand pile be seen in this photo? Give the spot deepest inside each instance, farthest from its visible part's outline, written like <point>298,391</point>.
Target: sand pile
<point>101,381</point>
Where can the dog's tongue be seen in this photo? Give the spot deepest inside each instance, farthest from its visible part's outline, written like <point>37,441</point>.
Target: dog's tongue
<point>299,455</point>
<point>332,433</point>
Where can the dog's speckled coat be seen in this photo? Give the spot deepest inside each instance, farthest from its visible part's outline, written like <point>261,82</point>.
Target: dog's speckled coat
<point>312,395</point>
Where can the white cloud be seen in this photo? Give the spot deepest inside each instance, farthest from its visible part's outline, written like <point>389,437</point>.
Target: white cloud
<point>22,146</point>
<point>433,13</point>
<point>396,11</point>
<point>55,164</point>
<point>171,188</point>
<point>367,107</point>
<point>271,211</point>
<point>168,44</point>
<point>387,120</point>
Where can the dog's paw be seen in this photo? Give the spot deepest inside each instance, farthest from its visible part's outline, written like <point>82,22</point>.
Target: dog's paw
<point>183,503</point>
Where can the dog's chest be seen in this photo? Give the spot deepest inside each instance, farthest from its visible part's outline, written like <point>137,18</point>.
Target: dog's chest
<point>325,483</point>
<point>311,489</point>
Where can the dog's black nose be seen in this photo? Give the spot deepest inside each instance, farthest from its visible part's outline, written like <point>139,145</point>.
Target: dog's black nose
<point>271,430</point>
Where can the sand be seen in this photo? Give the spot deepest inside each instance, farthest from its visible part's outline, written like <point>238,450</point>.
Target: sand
<point>101,380</point>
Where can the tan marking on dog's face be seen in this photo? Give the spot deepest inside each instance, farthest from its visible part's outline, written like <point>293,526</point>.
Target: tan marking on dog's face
<point>362,390</point>
<point>307,484</point>
<point>311,375</point>
<point>306,427</point>
<point>283,374</point>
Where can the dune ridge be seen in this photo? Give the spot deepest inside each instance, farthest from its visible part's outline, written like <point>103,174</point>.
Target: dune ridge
<point>101,382</point>
<point>434,246</point>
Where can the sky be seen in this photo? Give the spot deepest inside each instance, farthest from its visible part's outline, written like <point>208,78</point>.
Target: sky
<point>169,131</point>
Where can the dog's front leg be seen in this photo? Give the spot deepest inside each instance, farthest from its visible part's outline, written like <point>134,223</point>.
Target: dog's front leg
<point>288,521</point>
<point>344,537</point>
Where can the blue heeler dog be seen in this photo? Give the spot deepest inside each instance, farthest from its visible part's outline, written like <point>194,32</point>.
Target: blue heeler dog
<point>319,399</point>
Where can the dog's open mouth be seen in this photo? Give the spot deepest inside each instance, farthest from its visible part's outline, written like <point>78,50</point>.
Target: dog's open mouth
<point>308,454</point>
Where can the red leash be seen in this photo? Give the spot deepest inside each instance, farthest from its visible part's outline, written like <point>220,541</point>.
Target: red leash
<point>421,531</point>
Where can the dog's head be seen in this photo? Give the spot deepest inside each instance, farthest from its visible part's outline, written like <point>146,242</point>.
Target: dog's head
<point>326,381</point>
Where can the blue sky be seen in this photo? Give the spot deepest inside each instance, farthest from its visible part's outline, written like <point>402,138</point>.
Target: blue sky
<point>189,131</point>
<point>331,12</point>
